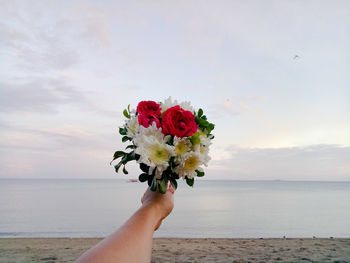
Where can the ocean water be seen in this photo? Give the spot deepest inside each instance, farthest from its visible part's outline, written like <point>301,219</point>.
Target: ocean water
<point>230,209</point>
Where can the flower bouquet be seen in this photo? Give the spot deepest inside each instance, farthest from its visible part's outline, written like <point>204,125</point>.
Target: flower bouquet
<point>168,140</point>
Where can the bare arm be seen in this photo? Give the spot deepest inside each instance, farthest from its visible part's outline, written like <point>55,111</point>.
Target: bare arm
<point>133,241</point>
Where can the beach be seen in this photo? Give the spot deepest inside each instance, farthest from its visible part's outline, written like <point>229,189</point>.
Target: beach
<point>259,213</point>
<point>186,250</point>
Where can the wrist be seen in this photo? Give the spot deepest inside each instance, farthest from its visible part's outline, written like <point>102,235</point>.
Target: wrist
<point>152,212</point>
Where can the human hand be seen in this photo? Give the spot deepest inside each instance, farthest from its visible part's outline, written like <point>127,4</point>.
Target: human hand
<point>161,204</point>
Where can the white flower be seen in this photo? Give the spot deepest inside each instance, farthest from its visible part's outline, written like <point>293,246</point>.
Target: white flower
<point>186,105</point>
<point>132,125</point>
<point>182,145</point>
<point>152,130</point>
<point>203,148</point>
<point>189,164</point>
<point>168,103</point>
<point>153,150</point>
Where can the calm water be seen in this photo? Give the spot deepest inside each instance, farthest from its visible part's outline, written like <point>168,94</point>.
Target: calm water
<point>94,208</point>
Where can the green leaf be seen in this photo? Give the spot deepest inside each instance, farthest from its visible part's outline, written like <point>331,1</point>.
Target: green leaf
<point>190,181</point>
<point>143,177</point>
<point>203,122</point>
<point>124,170</point>
<point>116,155</point>
<point>210,127</point>
<point>172,163</point>
<point>144,168</point>
<point>170,140</point>
<point>129,108</point>
<point>173,183</point>
<point>163,185</point>
<point>123,131</point>
<point>153,187</point>
<point>195,138</point>
<point>124,159</point>
<point>126,114</point>
<point>131,146</point>
<point>200,112</point>
<point>131,156</point>
<point>199,173</point>
<point>126,138</point>
<point>116,167</point>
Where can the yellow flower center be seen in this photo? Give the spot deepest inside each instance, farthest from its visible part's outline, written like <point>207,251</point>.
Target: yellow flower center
<point>180,148</point>
<point>159,154</point>
<point>191,163</point>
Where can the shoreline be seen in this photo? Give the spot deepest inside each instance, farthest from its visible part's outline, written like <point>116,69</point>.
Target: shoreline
<point>187,249</point>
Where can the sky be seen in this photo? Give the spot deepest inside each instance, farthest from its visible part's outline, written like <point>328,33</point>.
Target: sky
<point>272,75</point>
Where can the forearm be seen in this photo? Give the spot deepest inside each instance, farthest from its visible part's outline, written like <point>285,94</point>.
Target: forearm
<point>130,243</point>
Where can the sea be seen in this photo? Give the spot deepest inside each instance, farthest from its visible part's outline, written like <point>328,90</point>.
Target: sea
<point>211,209</point>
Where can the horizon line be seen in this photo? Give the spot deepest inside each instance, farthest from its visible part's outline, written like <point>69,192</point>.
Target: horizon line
<point>202,179</point>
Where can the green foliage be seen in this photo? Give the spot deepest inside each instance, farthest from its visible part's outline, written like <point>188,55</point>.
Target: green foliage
<point>132,156</point>
<point>126,157</point>
<point>173,183</point>
<point>149,181</point>
<point>124,170</point>
<point>116,155</point>
<point>199,173</point>
<point>143,177</point>
<point>153,187</point>
<point>126,114</point>
<point>172,163</point>
<point>195,138</point>
<point>200,113</point>
<point>170,140</point>
<point>144,168</point>
<point>190,181</point>
<point>126,138</point>
<point>116,167</point>
<point>123,131</point>
<point>131,146</point>
<point>163,185</point>
<point>202,122</point>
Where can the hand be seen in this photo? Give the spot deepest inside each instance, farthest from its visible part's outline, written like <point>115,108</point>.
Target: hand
<point>161,204</point>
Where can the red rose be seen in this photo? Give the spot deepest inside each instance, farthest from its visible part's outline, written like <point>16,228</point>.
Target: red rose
<point>148,107</point>
<point>178,122</point>
<point>146,119</point>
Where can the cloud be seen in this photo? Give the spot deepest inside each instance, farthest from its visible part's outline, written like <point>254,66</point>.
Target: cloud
<point>314,162</point>
<point>236,105</point>
<point>37,51</point>
<point>40,95</point>
<point>56,152</point>
<point>45,96</point>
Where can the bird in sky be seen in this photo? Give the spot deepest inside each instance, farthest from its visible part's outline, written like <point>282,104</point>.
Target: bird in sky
<point>296,56</point>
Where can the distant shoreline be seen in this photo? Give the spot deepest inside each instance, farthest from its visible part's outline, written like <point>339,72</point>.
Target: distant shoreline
<point>187,249</point>
<point>123,178</point>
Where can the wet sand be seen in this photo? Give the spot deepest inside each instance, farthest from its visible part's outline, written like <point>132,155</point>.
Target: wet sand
<point>186,250</point>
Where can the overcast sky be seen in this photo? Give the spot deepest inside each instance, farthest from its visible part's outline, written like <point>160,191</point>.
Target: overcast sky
<point>272,75</point>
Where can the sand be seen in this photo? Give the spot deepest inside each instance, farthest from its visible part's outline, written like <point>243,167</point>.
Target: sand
<point>186,250</point>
